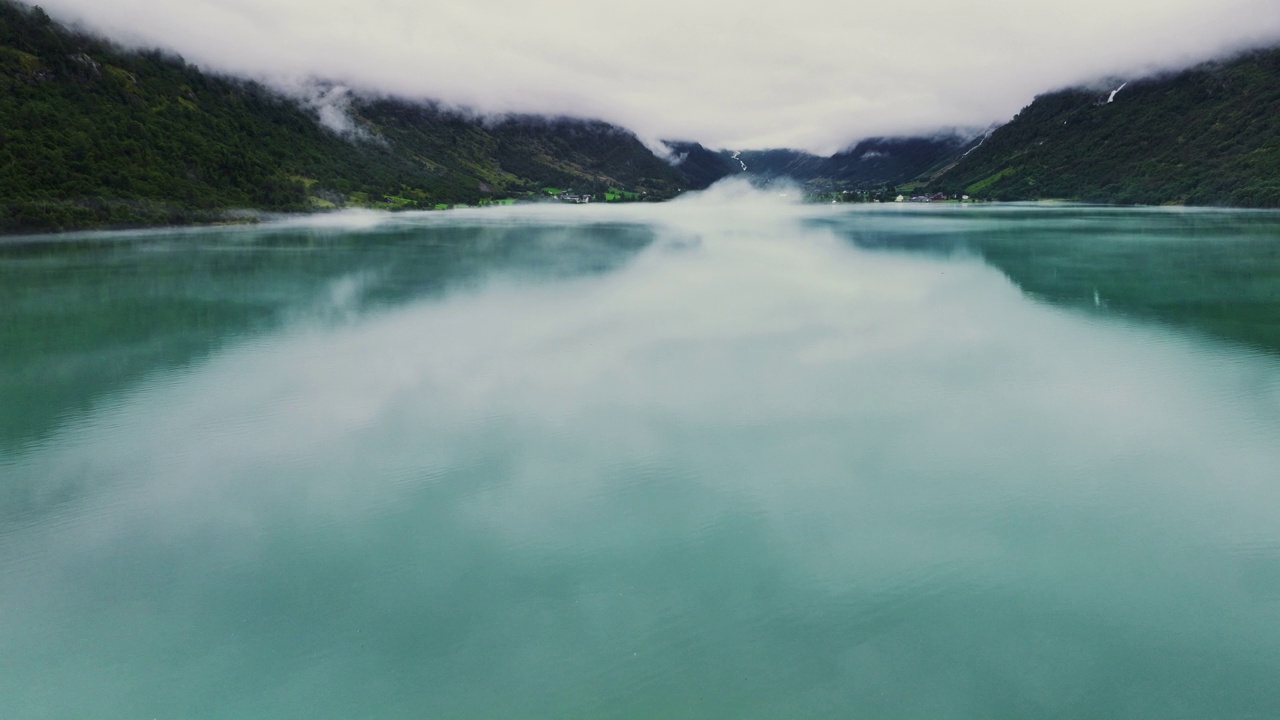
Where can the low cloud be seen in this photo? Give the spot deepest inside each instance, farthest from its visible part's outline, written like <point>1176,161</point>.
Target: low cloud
<point>331,105</point>
<point>815,74</point>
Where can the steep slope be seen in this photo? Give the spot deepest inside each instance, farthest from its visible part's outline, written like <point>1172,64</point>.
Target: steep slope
<point>892,161</point>
<point>92,135</point>
<point>781,162</point>
<point>515,155</point>
<point>1209,135</point>
<point>701,167</point>
<point>869,164</point>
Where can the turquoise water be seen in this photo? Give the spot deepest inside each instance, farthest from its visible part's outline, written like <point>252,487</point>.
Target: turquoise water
<point>726,457</point>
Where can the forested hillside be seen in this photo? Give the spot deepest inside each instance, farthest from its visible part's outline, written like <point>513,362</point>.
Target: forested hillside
<point>870,164</point>
<point>701,166</point>
<point>1209,135</point>
<point>880,161</point>
<point>92,135</point>
<point>782,162</point>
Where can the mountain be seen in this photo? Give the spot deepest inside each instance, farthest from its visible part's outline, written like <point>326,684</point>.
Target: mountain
<point>872,163</point>
<point>893,161</point>
<point>1208,135</point>
<point>700,166</point>
<point>92,135</point>
<point>781,162</point>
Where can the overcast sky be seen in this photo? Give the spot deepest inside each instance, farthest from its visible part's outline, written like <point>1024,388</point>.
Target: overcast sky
<point>815,74</point>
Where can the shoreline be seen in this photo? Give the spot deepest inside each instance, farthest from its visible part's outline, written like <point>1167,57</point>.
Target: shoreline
<point>243,218</point>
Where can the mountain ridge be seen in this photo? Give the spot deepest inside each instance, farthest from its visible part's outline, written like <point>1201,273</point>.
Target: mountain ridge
<point>92,135</point>
<point>1204,135</point>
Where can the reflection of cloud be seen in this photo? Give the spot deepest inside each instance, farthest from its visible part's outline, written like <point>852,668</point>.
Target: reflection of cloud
<point>695,331</point>
<point>762,447</point>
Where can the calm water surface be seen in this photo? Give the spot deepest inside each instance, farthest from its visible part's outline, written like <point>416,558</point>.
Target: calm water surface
<point>725,457</point>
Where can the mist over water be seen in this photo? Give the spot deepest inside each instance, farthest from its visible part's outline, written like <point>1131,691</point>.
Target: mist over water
<point>729,456</point>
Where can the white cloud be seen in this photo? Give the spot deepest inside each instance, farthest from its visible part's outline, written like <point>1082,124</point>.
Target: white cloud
<point>331,105</point>
<point>815,74</point>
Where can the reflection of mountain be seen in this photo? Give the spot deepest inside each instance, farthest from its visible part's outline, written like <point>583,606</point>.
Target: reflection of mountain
<point>80,322</point>
<point>1218,273</point>
<point>1229,287</point>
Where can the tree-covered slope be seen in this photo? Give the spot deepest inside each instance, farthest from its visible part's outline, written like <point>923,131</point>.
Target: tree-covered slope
<point>92,135</point>
<point>891,161</point>
<point>782,162</point>
<point>1209,135</point>
<point>702,167</point>
<point>871,163</point>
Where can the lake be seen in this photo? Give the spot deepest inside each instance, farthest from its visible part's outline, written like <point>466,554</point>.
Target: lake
<point>725,457</point>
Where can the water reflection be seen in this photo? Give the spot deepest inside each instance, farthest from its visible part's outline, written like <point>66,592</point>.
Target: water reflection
<point>748,470</point>
<point>1217,272</point>
<point>83,319</point>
